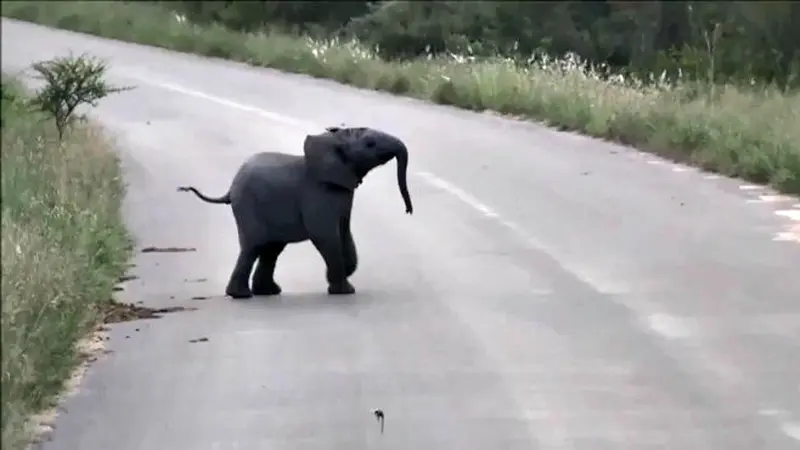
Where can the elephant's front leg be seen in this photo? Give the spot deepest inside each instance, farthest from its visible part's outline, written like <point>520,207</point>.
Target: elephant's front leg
<point>263,277</point>
<point>348,249</point>
<point>329,245</point>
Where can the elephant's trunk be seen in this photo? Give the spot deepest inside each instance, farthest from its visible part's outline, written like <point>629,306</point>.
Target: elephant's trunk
<point>402,168</point>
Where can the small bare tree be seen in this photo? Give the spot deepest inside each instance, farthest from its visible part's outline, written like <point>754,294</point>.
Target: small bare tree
<point>70,81</point>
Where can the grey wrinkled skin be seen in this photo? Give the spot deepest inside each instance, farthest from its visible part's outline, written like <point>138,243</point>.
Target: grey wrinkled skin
<point>279,199</point>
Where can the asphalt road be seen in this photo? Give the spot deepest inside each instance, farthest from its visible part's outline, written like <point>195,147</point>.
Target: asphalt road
<point>550,291</point>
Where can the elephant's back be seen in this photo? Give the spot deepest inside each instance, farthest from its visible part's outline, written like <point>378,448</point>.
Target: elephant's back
<point>268,172</point>
<point>271,161</point>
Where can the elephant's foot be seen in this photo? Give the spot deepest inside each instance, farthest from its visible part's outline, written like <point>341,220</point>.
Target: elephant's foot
<point>341,288</point>
<point>238,292</point>
<point>270,288</point>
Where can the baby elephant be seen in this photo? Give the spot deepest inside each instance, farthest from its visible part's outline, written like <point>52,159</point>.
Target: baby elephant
<point>279,199</point>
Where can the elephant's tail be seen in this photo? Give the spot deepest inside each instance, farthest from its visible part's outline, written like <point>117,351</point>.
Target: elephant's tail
<point>225,199</point>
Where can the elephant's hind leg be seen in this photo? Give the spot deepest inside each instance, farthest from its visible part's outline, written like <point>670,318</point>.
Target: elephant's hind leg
<point>238,285</point>
<point>264,276</point>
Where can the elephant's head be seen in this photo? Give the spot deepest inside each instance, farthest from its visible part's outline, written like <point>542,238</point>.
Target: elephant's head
<point>344,156</point>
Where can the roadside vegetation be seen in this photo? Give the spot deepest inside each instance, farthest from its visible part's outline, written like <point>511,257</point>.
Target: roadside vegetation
<point>711,84</point>
<point>63,239</point>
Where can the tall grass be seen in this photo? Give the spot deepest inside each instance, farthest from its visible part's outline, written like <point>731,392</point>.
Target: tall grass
<point>751,133</point>
<point>64,247</point>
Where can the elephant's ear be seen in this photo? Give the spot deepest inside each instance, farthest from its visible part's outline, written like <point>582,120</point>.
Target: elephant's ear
<point>325,163</point>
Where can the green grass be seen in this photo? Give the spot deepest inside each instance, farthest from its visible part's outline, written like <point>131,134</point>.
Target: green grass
<point>64,248</point>
<point>748,133</point>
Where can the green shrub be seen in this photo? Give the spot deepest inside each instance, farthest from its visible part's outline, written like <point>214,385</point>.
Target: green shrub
<point>69,82</point>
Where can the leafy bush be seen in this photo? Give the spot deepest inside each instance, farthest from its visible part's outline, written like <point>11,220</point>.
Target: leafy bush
<point>70,82</point>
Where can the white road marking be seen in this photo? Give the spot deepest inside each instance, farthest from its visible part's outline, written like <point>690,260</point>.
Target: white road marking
<point>280,118</point>
<point>458,193</point>
<point>791,214</point>
<point>668,326</point>
<point>769,412</point>
<point>750,187</point>
<point>771,199</point>
<point>582,273</point>
<point>792,235</point>
<point>680,169</point>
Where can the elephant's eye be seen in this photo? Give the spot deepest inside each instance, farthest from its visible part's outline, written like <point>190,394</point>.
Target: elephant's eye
<point>370,143</point>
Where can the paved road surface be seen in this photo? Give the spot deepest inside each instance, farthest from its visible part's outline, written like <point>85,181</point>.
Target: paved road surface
<point>550,291</point>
